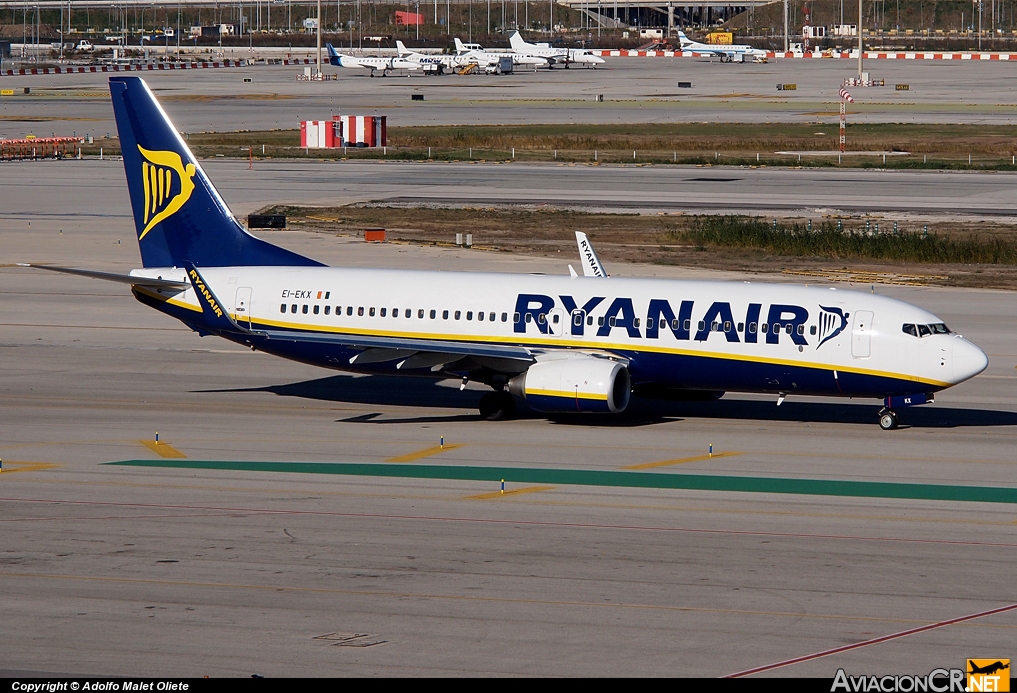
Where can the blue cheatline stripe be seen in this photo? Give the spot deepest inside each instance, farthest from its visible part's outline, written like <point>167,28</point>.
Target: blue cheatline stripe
<point>589,477</point>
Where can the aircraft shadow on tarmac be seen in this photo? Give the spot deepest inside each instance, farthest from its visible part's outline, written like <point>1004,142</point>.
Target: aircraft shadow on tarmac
<point>423,392</point>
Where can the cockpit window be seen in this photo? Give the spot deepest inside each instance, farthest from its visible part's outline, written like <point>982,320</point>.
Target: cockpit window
<point>924,331</point>
<point>910,329</point>
<point>940,328</point>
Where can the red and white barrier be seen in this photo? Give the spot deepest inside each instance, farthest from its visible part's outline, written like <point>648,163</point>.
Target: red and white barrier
<point>365,131</point>
<point>320,134</point>
<point>37,147</point>
<point>847,55</point>
<point>154,67</point>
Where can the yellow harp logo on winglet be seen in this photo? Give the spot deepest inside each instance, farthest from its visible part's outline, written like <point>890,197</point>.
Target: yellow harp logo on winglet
<point>167,184</point>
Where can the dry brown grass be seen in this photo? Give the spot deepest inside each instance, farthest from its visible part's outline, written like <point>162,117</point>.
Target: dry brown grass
<point>621,238</point>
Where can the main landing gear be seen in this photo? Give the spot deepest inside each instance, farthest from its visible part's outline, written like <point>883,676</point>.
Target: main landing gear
<point>497,406</point>
<point>887,419</point>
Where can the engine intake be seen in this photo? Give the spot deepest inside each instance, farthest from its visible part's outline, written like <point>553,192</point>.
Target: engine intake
<point>574,383</point>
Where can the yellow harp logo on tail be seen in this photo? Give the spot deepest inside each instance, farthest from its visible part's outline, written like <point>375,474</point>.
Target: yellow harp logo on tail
<point>161,173</point>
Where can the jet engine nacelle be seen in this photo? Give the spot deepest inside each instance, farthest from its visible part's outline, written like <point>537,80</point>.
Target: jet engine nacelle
<point>574,383</point>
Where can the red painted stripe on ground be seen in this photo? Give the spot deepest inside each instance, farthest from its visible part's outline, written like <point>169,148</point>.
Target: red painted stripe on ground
<point>873,641</point>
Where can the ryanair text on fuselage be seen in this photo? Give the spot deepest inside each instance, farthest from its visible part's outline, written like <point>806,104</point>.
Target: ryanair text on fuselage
<point>662,315</point>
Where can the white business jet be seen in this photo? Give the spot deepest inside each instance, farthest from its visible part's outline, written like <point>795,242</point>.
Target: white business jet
<point>727,53</point>
<point>548,55</point>
<point>473,53</point>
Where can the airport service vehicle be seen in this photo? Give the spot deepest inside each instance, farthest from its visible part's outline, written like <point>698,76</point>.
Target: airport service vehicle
<point>84,46</point>
<point>465,54</point>
<point>564,344</point>
<point>370,63</point>
<point>728,53</point>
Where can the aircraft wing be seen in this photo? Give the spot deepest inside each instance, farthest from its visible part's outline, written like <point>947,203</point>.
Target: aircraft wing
<point>380,349</point>
<point>151,282</point>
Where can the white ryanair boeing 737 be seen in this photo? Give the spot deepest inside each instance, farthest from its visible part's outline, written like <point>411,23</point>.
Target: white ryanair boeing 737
<point>562,343</point>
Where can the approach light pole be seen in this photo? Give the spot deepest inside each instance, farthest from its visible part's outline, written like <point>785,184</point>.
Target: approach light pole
<point>979,24</point>
<point>318,22</point>
<point>860,42</point>
<point>787,38</point>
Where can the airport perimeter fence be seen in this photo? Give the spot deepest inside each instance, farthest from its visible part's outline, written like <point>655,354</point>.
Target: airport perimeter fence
<point>804,159</point>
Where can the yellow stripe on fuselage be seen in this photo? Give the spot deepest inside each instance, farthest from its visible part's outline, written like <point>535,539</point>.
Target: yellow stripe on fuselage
<point>567,343</point>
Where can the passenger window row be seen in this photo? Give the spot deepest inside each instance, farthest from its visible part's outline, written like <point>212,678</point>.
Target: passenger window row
<point>481,316</point>
<point>542,318</point>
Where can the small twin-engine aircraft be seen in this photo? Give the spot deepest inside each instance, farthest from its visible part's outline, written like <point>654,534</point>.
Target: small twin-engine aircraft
<point>370,63</point>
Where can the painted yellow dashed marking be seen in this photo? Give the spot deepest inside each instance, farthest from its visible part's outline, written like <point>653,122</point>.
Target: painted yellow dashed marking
<point>163,449</point>
<point>426,452</point>
<point>11,467</point>
<point>513,492</point>
<point>682,460</point>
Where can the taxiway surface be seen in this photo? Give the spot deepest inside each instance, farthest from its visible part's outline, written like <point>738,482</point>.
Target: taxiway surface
<point>635,90</point>
<point>90,189</point>
<point>131,570</point>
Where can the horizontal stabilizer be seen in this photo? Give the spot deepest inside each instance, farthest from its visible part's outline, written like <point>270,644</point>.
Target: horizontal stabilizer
<point>150,282</point>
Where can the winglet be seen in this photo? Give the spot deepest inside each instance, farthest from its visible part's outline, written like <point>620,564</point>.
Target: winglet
<point>572,272</point>
<point>216,317</point>
<point>592,266</point>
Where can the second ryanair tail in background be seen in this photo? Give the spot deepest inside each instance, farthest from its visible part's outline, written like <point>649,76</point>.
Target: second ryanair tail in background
<point>179,215</point>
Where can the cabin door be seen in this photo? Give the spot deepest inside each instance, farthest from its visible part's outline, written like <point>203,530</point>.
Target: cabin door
<point>861,334</point>
<point>242,308</point>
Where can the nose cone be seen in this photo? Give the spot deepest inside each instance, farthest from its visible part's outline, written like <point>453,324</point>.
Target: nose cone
<point>968,360</point>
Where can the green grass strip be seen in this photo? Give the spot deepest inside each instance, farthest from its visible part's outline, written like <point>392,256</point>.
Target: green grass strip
<point>586,477</point>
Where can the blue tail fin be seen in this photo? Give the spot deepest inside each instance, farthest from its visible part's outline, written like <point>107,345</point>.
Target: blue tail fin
<point>333,57</point>
<point>180,218</point>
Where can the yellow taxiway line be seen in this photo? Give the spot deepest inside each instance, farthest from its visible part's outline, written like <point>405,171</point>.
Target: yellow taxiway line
<point>27,467</point>
<point>682,460</point>
<point>513,492</point>
<point>163,449</point>
<point>426,452</point>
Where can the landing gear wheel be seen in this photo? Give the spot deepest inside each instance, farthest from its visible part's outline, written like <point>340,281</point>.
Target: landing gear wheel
<point>887,420</point>
<point>497,406</point>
